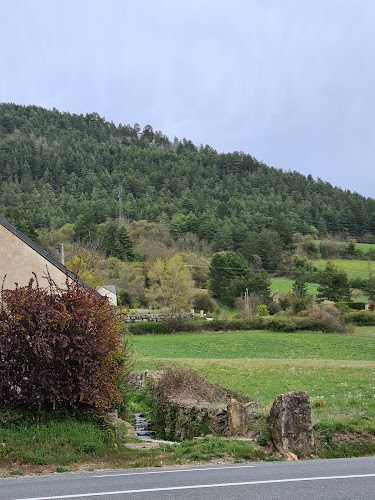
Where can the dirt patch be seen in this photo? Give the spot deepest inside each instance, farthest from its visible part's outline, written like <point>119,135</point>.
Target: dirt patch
<point>350,438</point>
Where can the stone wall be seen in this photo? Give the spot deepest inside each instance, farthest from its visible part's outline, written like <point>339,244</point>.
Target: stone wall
<point>138,318</point>
<point>185,418</point>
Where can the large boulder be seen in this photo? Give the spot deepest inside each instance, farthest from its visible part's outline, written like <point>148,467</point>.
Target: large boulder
<point>290,423</point>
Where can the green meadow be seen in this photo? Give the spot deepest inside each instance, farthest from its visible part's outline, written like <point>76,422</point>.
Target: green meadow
<point>365,246</point>
<point>282,286</point>
<point>354,268</point>
<point>338,371</point>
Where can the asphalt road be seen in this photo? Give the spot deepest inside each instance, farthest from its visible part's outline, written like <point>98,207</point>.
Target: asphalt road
<point>352,478</point>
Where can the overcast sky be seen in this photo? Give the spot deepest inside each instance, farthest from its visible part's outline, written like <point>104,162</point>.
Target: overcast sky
<point>292,82</point>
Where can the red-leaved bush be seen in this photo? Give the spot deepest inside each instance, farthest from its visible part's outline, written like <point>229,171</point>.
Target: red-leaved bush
<point>59,348</point>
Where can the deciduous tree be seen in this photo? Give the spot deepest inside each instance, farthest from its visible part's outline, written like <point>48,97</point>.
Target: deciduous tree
<point>170,285</point>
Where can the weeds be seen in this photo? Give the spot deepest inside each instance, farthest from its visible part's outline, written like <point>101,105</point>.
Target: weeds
<point>186,383</point>
<point>61,469</point>
<point>42,439</point>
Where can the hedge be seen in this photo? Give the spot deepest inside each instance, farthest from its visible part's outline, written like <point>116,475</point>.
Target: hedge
<point>277,322</point>
<point>147,327</point>
<point>362,318</point>
<point>358,306</point>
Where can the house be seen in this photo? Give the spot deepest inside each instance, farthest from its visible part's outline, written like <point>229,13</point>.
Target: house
<point>110,292</point>
<point>20,257</point>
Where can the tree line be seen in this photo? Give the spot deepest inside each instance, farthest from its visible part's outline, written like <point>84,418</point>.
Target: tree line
<point>58,168</point>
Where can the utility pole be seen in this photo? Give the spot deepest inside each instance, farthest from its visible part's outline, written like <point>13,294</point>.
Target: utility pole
<point>120,205</point>
<point>247,303</point>
<point>62,255</point>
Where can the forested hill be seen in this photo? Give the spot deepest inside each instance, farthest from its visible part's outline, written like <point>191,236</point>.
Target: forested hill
<point>59,167</point>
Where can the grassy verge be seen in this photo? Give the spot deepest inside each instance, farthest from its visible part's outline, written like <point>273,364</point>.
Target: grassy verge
<point>60,443</point>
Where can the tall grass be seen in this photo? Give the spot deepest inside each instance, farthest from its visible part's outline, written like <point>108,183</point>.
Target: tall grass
<point>48,439</point>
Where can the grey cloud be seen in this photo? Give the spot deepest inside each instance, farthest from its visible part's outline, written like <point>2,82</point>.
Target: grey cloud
<point>289,82</point>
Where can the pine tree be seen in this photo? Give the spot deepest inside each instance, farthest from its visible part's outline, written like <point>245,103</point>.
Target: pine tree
<point>333,284</point>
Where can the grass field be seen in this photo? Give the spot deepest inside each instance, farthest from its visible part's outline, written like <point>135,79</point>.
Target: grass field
<point>366,246</point>
<point>362,246</point>
<point>354,268</point>
<point>282,285</point>
<point>337,369</point>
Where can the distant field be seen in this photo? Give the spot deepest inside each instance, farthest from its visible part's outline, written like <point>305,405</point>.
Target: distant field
<point>362,246</point>
<point>341,368</point>
<point>283,285</point>
<point>354,268</point>
<point>366,246</point>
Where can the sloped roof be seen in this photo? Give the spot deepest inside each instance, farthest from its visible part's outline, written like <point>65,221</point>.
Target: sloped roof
<point>44,254</point>
<point>110,288</point>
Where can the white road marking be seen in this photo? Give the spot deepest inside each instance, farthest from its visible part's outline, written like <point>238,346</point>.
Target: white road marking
<point>175,470</point>
<point>195,487</point>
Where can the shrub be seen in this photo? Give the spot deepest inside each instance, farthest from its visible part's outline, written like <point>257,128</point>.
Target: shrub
<point>274,307</point>
<point>357,282</point>
<point>363,318</point>
<point>322,318</point>
<point>203,301</point>
<point>255,323</point>
<point>60,348</point>
<point>284,302</point>
<point>262,310</point>
<point>347,306</point>
<point>299,305</point>
<point>343,307</point>
<point>286,323</point>
<point>325,318</point>
<point>147,328</point>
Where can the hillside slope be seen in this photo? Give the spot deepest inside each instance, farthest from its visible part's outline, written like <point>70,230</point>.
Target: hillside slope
<point>56,167</point>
